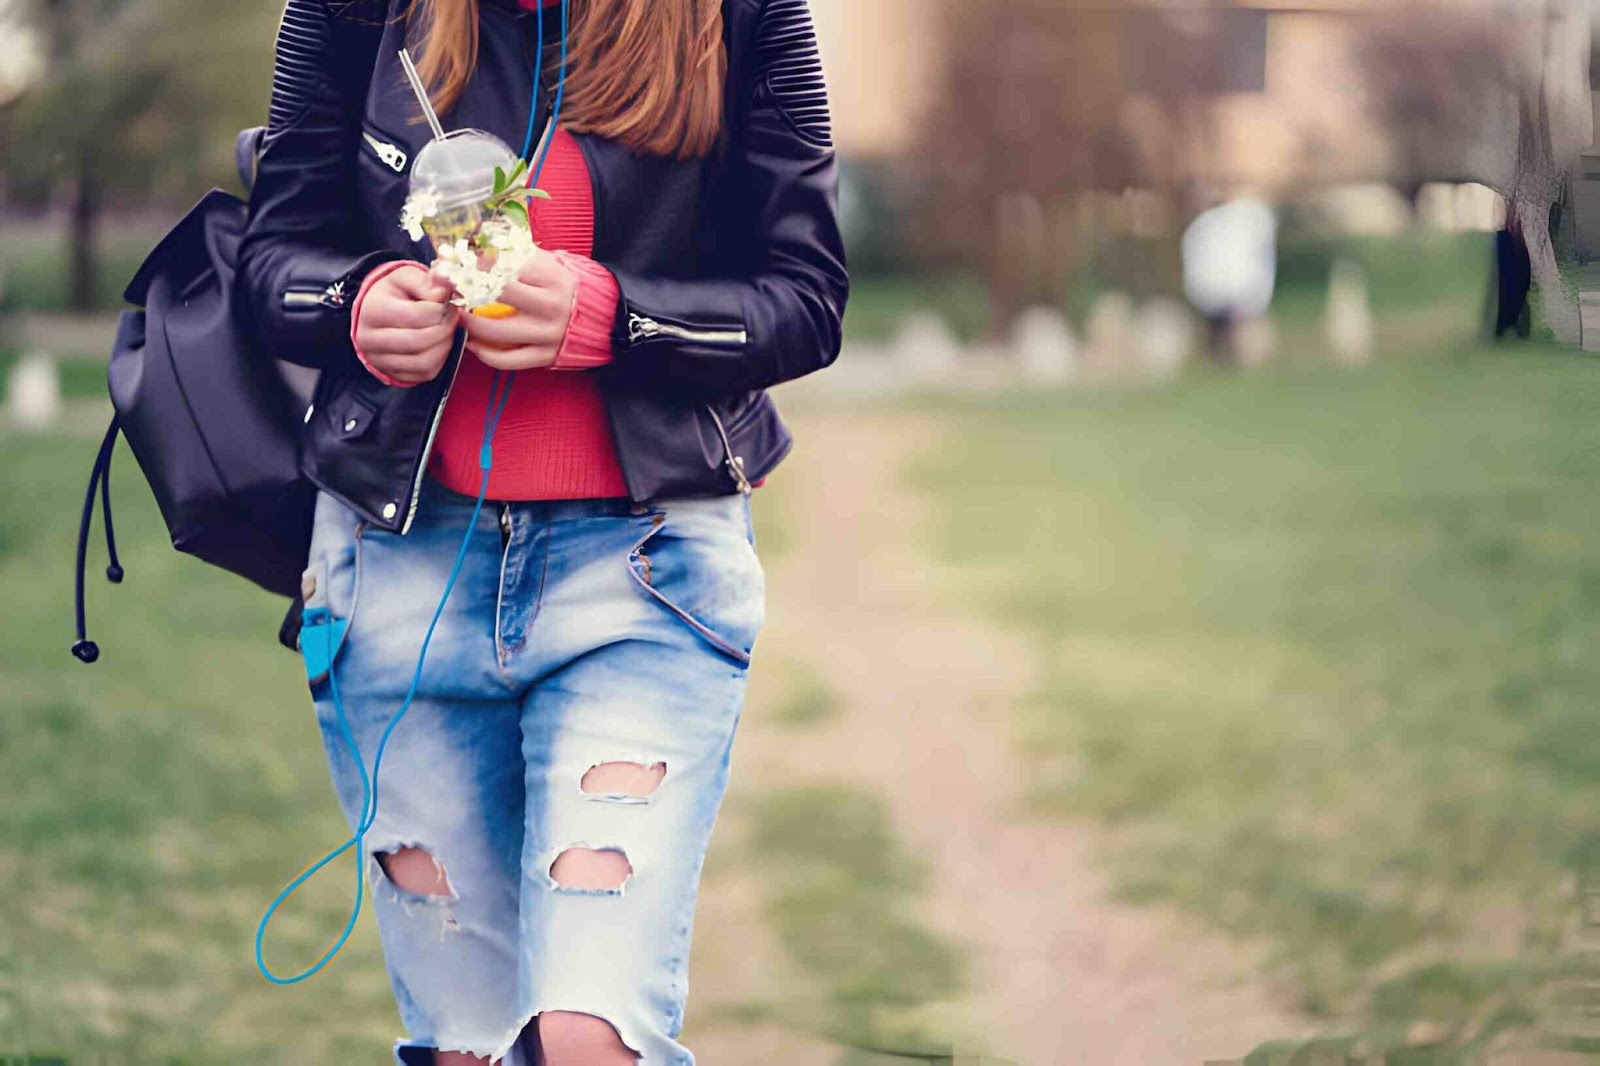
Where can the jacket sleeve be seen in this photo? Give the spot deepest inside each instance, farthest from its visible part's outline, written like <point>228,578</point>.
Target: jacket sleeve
<point>303,254</point>
<point>778,315</point>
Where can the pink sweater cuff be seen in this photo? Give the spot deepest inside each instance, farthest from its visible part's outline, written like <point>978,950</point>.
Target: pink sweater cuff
<point>594,311</point>
<point>373,278</point>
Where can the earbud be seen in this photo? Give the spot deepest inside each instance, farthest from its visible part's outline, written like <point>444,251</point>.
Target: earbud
<point>114,574</point>
<point>86,651</point>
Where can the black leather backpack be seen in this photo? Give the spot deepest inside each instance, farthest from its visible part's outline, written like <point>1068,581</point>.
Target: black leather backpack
<point>212,419</point>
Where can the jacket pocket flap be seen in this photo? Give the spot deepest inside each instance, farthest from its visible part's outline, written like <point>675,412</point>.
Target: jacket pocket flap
<point>356,417</point>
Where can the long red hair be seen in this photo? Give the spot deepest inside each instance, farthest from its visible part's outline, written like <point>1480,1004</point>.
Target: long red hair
<point>647,73</point>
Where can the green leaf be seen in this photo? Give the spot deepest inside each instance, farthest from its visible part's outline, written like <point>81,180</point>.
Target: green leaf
<point>500,182</point>
<point>540,193</point>
<point>516,211</point>
<point>517,172</point>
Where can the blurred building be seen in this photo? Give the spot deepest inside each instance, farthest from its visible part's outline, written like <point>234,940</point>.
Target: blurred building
<point>1270,95</point>
<point>883,59</point>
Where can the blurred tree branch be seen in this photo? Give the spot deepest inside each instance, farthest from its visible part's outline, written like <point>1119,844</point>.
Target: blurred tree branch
<point>1033,112</point>
<point>134,101</point>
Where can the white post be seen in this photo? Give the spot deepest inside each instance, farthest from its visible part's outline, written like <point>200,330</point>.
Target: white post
<point>33,392</point>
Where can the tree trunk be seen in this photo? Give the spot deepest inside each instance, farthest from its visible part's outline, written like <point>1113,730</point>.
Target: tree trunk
<point>83,227</point>
<point>1537,182</point>
<point>1532,217</point>
<point>1554,124</point>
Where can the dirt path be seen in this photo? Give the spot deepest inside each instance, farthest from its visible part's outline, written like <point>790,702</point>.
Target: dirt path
<point>1061,973</point>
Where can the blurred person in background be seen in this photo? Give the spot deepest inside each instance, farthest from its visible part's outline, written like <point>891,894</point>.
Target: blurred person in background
<point>548,797</point>
<point>1230,264</point>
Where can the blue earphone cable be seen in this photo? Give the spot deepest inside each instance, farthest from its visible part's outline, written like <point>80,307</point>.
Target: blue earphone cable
<point>499,393</point>
<point>561,91</point>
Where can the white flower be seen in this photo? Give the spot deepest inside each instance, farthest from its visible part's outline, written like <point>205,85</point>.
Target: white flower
<point>460,251</point>
<point>508,236</point>
<point>448,270</point>
<point>477,287</point>
<point>422,204</point>
<point>505,244</point>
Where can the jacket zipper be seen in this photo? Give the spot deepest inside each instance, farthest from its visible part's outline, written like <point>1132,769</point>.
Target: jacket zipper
<point>397,160</point>
<point>734,463</point>
<point>393,156</point>
<point>427,445</point>
<point>641,328</point>
<point>304,299</point>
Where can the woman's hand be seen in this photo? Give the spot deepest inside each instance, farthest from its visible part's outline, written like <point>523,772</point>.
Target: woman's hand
<point>543,295</point>
<point>407,325</point>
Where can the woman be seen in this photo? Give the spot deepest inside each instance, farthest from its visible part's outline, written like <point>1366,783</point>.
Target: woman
<point>547,797</point>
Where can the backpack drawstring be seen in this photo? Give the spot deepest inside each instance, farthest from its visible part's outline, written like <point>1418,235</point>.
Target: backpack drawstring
<point>113,565</point>
<point>83,648</point>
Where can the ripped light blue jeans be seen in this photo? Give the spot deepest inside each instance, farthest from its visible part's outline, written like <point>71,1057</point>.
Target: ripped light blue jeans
<point>580,633</point>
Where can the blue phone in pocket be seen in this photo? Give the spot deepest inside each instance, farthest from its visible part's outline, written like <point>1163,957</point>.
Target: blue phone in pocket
<point>320,637</point>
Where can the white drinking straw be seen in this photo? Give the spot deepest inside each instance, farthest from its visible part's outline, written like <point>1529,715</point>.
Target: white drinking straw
<point>422,92</point>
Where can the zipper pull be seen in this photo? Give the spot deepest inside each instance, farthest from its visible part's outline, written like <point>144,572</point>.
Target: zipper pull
<point>303,299</point>
<point>392,154</point>
<point>736,468</point>
<point>734,463</point>
<point>640,327</point>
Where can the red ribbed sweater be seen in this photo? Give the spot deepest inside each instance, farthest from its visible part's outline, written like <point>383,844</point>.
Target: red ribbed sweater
<point>553,441</point>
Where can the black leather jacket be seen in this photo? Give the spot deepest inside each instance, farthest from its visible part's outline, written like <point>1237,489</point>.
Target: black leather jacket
<point>731,268</point>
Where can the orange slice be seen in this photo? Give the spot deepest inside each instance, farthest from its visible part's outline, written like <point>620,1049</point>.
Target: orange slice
<point>494,310</point>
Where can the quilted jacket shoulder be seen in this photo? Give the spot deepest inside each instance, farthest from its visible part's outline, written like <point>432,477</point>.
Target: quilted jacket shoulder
<point>789,68</point>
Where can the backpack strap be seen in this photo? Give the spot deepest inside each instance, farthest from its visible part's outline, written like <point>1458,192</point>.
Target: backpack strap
<point>84,649</point>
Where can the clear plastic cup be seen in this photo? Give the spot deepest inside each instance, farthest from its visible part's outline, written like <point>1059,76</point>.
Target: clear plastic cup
<point>459,169</point>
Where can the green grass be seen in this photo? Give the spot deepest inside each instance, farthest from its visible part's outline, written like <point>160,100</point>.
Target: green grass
<point>1320,653</point>
<point>1411,272</point>
<point>152,804</point>
<point>806,699</point>
<point>879,305</point>
<point>79,377</point>
<point>841,890</point>
<point>1425,290</point>
<point>1414,281</point>
<point>33,263</point>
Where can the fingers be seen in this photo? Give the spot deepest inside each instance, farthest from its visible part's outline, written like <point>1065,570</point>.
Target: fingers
<point>405,340</point>
<point>437,279</point>
<point>413,369</point>
<point>544,270</point>
<point>524,329</point>
<point>407,377</point>
<point>386,311</point>
<point>540,301</point>
<point>407,325</point>
<point>418,284</point>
